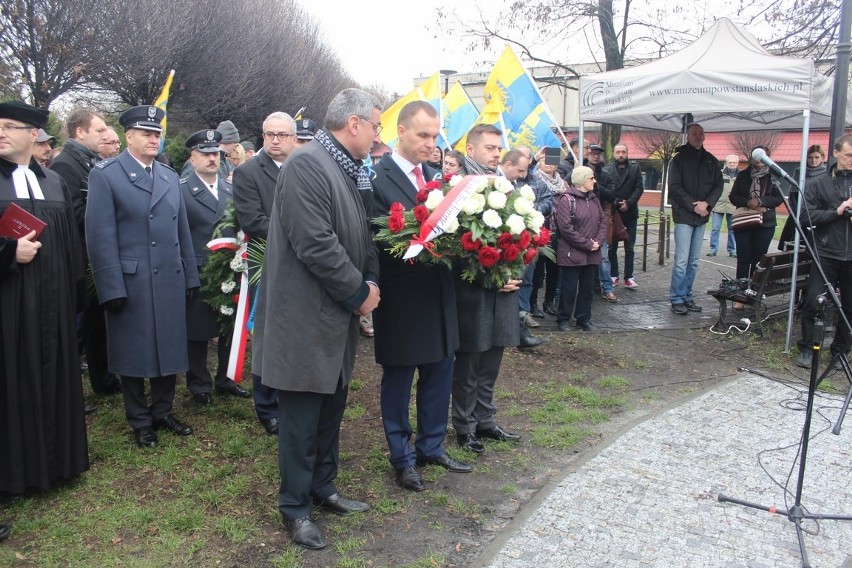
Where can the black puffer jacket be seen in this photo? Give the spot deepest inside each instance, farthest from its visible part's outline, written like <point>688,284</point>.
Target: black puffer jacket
<point>833,232</point>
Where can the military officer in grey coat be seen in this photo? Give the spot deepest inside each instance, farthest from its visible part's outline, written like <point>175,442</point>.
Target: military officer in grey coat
<point>144,267</point>
<point>207,196</point>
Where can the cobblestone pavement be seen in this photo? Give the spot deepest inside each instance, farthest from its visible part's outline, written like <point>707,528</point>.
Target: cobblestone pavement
<point>650,498</point>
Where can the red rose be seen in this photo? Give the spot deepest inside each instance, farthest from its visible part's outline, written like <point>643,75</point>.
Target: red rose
<point>524,239</point>
<point>529,256</point>
<point>510,253</point>
<point>468,243</point>
<point>505,240</point>
<point>422,195</point>
<point>435,184</point>
<point>488,256</point>
<point>397,207</point>
<point>448,177</point>
<point>396,222</point>
<point>543,238</point>
<point>421,213</point>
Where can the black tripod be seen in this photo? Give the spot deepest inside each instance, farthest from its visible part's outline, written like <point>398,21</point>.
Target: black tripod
<point>796,514</point>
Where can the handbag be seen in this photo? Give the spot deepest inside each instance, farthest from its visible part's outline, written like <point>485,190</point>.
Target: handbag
<point>746,218</point>
<point>615,229</point>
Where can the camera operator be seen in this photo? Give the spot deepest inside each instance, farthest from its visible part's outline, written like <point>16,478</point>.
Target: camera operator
<point>828,213</point>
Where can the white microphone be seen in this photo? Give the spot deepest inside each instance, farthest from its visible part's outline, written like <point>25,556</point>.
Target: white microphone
<point>759,154</point>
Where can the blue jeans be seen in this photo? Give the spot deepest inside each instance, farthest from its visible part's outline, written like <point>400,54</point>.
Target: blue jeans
<point>688,240</point>
<point>603,270</point>
<point>525,292</point>
<point>717,226</point>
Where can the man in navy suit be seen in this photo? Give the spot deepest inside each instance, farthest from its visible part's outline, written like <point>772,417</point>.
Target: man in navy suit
<point>144,268</point>
<point>425,339</point>
<point>207,196</point>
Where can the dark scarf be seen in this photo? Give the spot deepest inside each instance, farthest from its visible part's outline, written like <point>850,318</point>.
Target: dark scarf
<point>757,174</point>
<point>86,156</point>
<point>352,168</point>
<point>817,171</point>
<point>473,168</point>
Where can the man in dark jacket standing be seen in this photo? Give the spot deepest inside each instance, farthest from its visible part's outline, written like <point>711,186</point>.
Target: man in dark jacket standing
<point>254,192</point>
<point>426,338</point>
<point>144,267</point>
<point>827,207</point>
<point>627,181</point>
<point>319,273</point>
<point>695,184</point>
<point>86,130</point>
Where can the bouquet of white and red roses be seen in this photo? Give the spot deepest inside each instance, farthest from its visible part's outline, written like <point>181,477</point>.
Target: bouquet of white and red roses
<point>481,224</point>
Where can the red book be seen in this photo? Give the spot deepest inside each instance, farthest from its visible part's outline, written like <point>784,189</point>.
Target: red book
<point>17,222</point>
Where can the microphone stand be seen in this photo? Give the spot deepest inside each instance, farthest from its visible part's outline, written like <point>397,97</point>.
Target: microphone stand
<point>796,514</point>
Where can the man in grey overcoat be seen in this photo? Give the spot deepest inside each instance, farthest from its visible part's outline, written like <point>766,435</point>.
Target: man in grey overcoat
<point>143,264</point>
<point>320,271</point>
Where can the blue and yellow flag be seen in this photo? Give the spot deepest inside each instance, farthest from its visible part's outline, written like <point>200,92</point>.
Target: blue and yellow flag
<point>162,102</point>
<point>459,113</point>
<point>492,113</point>
<point>429,91</point>
<point>513,91</point>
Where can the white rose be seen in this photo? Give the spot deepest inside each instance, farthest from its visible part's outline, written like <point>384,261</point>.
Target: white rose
<point>515,223</point>
<point>479,184</point>
<point>496,200</point>
<point>228,287</point>
<point>474,204</point>
<point>527,193</point>
<point>523,206</point>
<point>227,310</point>
<point>454,181</point>
<point>535,221</point>
<point>237,264</point>
<point>493,220</point>
<point>452,226</point>
<point>503,185</point>
<point>434,199</point>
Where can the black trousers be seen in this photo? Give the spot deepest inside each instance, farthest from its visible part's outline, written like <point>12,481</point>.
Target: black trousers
<point>546,272</point>
<point>629,253</point>
<point>136,408</point>
<point>474,376</point>
<point>752,244</point>
<point>839,274</point>
<point>198,378</point>
<point>308,447</point>
<point>94,339</point>
<point>577,292</point>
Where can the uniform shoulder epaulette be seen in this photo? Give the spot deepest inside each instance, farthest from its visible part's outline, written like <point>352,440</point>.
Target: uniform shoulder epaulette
<point>169,167</point>
<point>104,163</point>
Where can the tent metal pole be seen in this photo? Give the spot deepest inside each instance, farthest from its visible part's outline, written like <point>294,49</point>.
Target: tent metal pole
<point>806,125</point>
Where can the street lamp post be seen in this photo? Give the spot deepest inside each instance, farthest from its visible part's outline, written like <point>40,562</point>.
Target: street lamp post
<point>446,73</point>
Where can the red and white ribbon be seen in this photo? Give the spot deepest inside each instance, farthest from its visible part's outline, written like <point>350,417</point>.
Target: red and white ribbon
<point>237,357</point>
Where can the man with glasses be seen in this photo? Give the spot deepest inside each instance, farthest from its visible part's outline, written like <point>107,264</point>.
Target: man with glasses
<point>110,144</point>
<point>86,132</point>
<point>254,192</point>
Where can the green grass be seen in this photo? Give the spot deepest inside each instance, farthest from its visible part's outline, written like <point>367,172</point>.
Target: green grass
<point>614,382</point>
<point>431,560</point>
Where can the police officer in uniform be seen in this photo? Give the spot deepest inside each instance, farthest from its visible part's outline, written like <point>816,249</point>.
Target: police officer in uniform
<point>207,196</point>
<point>144,268</point>
<point>305,130</point>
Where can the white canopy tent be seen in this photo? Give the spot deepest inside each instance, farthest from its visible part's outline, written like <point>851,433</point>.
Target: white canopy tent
<point>727,82</point>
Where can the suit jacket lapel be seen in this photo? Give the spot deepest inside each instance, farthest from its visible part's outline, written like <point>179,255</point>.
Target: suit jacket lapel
<point>268,166</point>
<point>201,192</point>
<point>401,188</point>
<point>135,172</point>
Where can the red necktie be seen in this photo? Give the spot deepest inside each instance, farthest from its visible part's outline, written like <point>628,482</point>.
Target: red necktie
<point>418,175</point>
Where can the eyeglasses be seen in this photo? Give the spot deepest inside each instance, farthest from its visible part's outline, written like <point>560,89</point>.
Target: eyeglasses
<point>280,135</point>
<point>5,127</point>
<point>376,127</point>
<point>116,142</point>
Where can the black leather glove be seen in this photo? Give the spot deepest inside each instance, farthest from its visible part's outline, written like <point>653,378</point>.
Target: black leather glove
<point>114,305</point>
<point>190,293</point>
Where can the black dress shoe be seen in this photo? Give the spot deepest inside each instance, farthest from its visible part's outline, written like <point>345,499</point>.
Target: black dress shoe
<point>89,409</point>
<point>470,442</point>
<point>234,389</point>
<point>528,341</point>
<point>4,532</point>
<point>270,425</point>
<point>537,313</point>
<point>145,437</point>
<point>692,306</point>
<point>565,325</point>
<point>174,425</point>
<point>341,505</point>
<point>585,326</point>
<point>305,533</point>
<point>202,399</point>
<point>679,309</point>
<point>551,308</point>
<point>409,478</point>
<point>445,461</point>
<point>498,434</point>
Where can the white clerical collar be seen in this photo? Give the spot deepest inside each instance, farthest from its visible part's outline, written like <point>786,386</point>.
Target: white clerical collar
<point>23,176</point>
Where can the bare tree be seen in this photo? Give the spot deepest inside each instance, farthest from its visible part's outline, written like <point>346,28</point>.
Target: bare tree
<point>745,142</point>
<point>661,146</point>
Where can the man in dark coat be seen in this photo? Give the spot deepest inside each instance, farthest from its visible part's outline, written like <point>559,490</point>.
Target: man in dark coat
<point>319,273</point>
<point>488,323</point>
<point>695,184</point>
<point>207,196</point>
<point>86,130</point>
<point>144,267</point>
<point>426,338</point>
<point>42,428</point>
<point>627,182</point>
<point>254,191</point>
